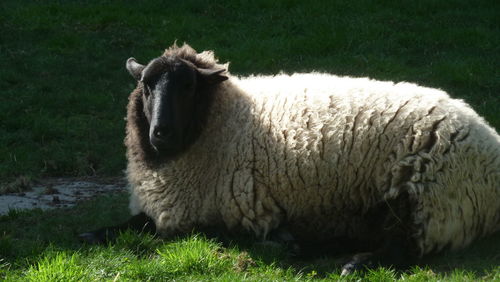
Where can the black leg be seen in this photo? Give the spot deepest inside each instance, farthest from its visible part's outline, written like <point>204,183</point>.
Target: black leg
<point>140,222</point>
<point>394,253</point>
<point>396,248</point>
<point>283,238</point>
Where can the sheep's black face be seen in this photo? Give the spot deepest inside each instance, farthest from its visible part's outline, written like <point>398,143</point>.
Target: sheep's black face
<point>171,97</point>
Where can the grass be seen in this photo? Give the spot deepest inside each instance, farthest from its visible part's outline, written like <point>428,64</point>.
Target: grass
<point>64,91</point>
<point>42,246</point>
<point>64,85</point>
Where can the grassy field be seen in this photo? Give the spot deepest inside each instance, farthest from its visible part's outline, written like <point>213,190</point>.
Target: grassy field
<point>64,89</point>
<point>42,246</point>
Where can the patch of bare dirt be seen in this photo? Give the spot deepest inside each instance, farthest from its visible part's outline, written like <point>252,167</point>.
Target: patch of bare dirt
<point>60,193</point>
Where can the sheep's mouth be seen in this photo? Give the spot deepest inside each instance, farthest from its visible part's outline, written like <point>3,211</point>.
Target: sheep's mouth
<point>165,147</point>
<point>162,146</point>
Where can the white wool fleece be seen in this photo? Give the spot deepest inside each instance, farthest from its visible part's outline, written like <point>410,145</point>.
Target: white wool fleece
<point>317,151</point>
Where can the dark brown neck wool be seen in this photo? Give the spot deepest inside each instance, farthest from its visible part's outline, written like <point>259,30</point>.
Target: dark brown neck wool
<point>137,130</point>
<point>139,148</point>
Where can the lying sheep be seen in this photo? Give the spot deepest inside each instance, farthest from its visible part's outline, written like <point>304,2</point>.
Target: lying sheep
<point>399,169</point>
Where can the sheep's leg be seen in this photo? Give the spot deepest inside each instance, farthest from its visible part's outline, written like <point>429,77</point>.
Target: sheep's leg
<point>394,253</point>
<point>140,222</point>
<point>284,237</point>
<point>397,248</point>
<point>281,237</point>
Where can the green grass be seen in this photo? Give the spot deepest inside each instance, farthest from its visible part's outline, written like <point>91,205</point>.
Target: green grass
<point>42,246</point>
<point>64,89</point>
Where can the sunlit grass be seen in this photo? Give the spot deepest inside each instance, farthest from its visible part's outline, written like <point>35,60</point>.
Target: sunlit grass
<point>43,246</point>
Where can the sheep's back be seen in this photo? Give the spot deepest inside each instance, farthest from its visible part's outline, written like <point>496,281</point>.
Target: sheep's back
<point>328,149</point>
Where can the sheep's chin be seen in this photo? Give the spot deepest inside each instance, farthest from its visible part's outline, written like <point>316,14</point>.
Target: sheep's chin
<point>166,151</point>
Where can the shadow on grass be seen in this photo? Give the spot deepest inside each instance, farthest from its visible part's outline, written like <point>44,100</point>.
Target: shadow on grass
<point>479,258</point>
<point>26,236</point>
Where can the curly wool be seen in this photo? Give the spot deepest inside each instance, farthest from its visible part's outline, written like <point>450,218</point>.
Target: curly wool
<point>316,152</point>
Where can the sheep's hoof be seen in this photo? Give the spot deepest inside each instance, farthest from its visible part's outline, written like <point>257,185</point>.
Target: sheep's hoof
<point>89,238</point>
<point>268,244</point>
<point>358,262</point>
<point>140,222</point>
<point>281,237</point>
<point>96,237</point>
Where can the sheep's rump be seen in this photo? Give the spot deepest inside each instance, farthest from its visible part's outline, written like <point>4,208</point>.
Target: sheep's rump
<point>348,144</point>
<point>318,152</point>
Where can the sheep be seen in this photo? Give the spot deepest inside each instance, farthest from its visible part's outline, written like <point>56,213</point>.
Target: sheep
<point>398,169</point>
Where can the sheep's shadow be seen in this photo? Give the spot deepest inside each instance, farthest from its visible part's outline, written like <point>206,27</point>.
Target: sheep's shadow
<point>58,229</point>
<point>321,259</point>
<point>482,256</point>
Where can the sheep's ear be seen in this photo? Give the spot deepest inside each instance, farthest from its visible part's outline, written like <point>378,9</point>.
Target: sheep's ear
<point>212,76</point>
<point>134,68</point>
